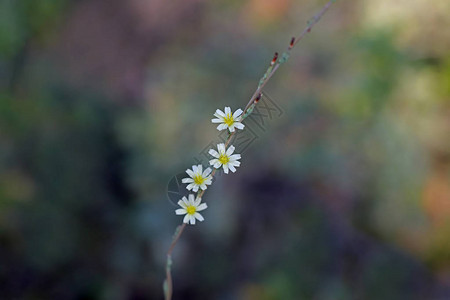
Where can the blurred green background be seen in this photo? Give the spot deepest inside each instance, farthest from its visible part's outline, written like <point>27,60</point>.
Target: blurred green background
<point>346,195</point>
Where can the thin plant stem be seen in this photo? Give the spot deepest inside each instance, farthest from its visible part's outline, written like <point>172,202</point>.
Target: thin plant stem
<point>168,285</point>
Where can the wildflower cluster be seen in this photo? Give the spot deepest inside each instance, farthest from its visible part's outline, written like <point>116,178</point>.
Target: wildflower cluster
<point>223,157</point>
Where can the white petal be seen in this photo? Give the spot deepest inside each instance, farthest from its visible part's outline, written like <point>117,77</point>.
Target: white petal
<point>227,110</point>
<point>217,164</point>
<point>220,117</point>
<point>213,161</point>
<point>200,169</point>
<point>203,186</point>
<point>182,204</point>
<point>235,163</point>
<point>235,157</point>
<point>187,180</point>
<point>231,128</point>
<point>199,217</point>
<point>202,206</point>
<point>191,198</point>
<point>216,121</point>
<point>195,169</point>
<point>185,200</point>
<point>206,172</point>
<point>238,125</point>
<point>221,148</point>
<point>186,218</point>
<point>222,127</point>
<point>180,211</point>
<point>237,113</point>
<point>230,150</point>
<point>197,201</point>
<point>208,181</point>
<point>225,168</point>
<point>213,153</point>
<point>232,168</point>
<point>220,113</point>
<point>195,188</point>
<point>190,186</point>
<point>192,220</point>
<point>190,173</point>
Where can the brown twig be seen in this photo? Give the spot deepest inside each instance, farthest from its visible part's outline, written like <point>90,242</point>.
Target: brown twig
<point>275,64</point>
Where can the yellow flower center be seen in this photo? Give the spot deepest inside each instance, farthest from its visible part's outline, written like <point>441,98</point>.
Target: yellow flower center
<point>228,119</point>
<point>190,209</point>
<point>224,159</point>
<point>198,179</point>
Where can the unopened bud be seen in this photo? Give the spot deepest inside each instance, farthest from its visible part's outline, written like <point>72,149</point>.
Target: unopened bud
<point>292,43</point>
<point>275,57</point>
<point>257,98</point>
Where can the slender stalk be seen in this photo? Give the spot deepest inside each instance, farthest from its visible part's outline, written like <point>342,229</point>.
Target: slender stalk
<point>168,286</point>
<point>307,29</point>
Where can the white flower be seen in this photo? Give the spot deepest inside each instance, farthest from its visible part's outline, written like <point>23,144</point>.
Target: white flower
<point>190,209</point>
<point>198,178</point>
<point>228,120</point>
<point>225,158</point>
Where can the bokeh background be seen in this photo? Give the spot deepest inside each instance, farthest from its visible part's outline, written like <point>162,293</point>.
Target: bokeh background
<point>346,195</point>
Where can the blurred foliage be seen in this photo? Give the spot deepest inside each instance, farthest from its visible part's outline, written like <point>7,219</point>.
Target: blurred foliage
<point>23,20</point>
<point>344,196</point>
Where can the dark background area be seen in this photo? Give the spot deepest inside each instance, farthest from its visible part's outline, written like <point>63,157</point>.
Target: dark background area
<point>343,192</point>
